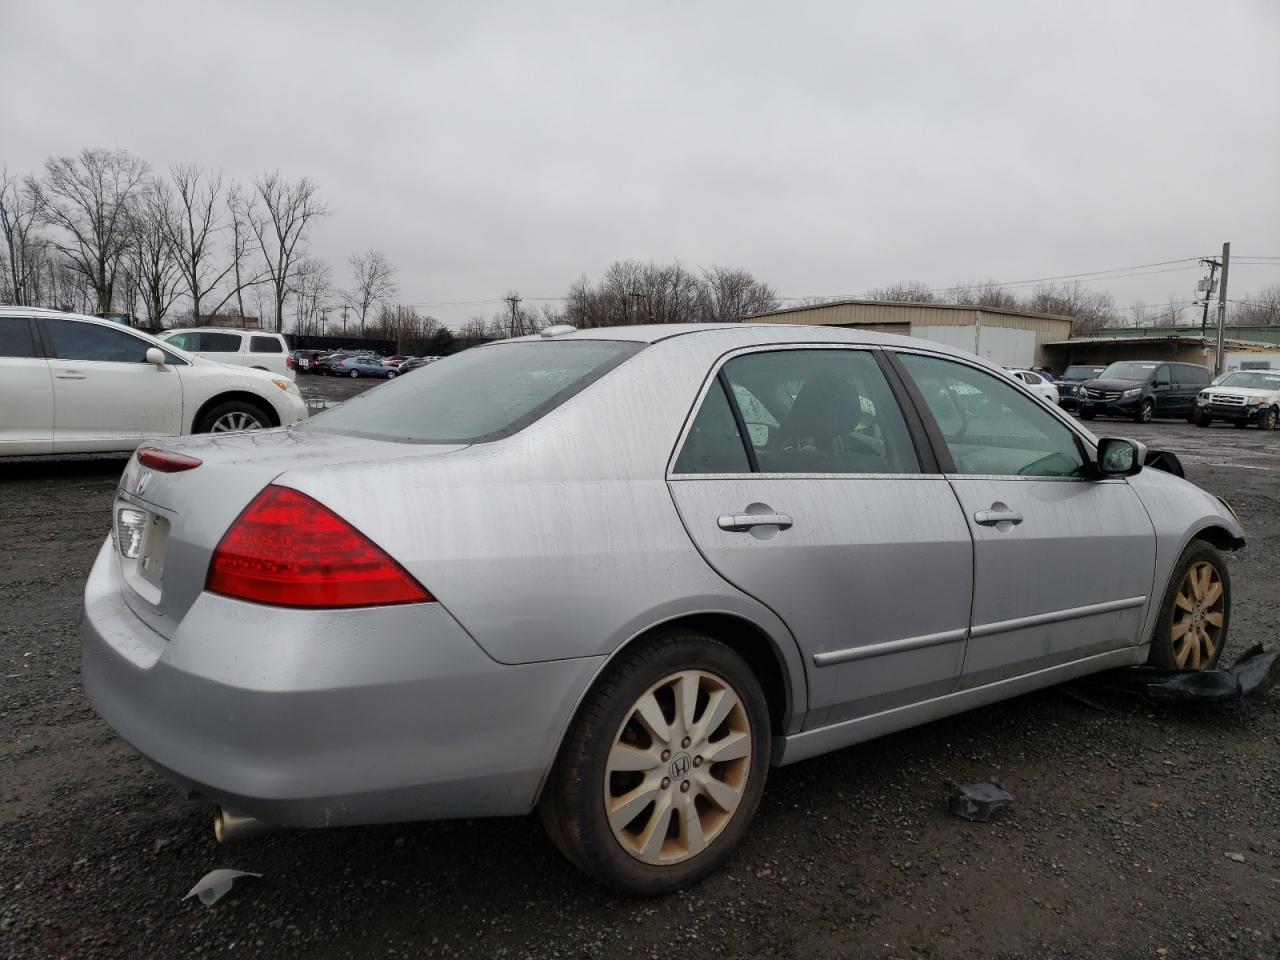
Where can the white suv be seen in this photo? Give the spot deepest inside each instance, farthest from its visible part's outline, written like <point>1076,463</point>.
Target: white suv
<point>243,348</point>
<point>75,384</point>
<point>1243,397</point>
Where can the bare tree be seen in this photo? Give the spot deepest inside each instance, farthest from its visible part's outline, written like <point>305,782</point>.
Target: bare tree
<point>1090,309</point>
<point>729,294</point>
<point>309,286</point>
<point>88,197</point>
<point>23,248</point>
<point>983,293</point>
<point>1258,309</point>
<point>374,282</point>
<point>907,291</point>
<point>278,217</point>
<point>152,263</point>
<point>193,231</point>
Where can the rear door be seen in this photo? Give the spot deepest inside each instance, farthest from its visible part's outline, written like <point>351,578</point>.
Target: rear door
<point>1063,564</point>
<point>106,396</point>
<point>833,515</point>
<point>26,391</point>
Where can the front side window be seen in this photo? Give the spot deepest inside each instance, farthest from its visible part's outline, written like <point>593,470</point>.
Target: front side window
<point>989,427</point>
<point>15,337</point>
<point>477,395</point>
<point>265,345</point>
<point>807,411</point>
<point>76,340</point>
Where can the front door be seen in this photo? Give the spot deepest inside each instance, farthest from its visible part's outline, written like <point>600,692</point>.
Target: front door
<point>106,395</point>
<point>1063,564</point>
<point>835,517</point>
<point>26,391</point>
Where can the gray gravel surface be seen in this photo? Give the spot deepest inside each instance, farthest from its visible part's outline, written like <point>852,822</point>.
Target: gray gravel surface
<point>1117,846</point>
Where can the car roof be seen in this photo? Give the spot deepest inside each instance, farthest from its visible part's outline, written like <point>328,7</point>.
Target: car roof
<point>255,332</point>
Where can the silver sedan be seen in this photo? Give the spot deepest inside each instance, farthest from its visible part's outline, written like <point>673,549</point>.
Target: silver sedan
<point>614,575</point>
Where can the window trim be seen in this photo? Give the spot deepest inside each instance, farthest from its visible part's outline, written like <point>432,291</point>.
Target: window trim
<point>37,342</point>
<point>919,442</point>
<point>46,342</point>
<point>1088,449</point>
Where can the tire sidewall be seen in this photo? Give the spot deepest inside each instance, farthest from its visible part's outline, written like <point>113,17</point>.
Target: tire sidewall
<point>1161,652</point>
<point>593,736</point>
<point>209,419</point>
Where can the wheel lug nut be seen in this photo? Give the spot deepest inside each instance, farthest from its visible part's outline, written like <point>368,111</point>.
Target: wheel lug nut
<point>684,787</point>
<point>666,755</point>
<point>697,761</point>
<point>685,743</point>
<point>666,782</point>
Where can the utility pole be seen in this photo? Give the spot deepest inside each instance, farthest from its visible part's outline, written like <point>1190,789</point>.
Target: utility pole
<point>514,300</point>
<point>1218,362</point>
<point>635,296</point>
<point>1208,294</point>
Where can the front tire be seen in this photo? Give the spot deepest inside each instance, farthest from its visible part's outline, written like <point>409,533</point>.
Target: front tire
<point>1195,612</point>
<point>234,416</point>
<point>1087,414</point>
<point>1146,412</point>
<point>1268,420</point>
<point>663,767</point>
<point>355,374</point>
<point>1200,419</point>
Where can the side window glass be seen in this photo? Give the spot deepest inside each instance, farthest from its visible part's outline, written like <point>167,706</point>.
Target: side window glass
<point>76,340</point>
<point>820,411</point>
<point>265,345</point>
<point>184,341</point>
<point>219,343</point>
<point>713,444</point>
<point>989,427</point>
<point>15,337</point>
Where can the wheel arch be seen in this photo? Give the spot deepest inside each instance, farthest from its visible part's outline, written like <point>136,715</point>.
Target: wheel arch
<point>244,397</point>
<point>751,642</point>
<point>1217,535</point>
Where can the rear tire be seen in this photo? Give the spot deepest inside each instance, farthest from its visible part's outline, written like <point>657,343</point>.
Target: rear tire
<point>355,374</point>
<point>677,812</point>
<point>1195,613</point>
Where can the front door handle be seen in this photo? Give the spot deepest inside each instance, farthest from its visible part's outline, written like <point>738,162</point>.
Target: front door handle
<point>742,522</point>
<point>998,514</point>
<point>69,375</point>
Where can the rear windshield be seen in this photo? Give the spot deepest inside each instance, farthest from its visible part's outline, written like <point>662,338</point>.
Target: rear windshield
<point>485,393</point>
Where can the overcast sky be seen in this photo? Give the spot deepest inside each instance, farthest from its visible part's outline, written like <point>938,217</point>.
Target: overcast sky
<point>827,147</point>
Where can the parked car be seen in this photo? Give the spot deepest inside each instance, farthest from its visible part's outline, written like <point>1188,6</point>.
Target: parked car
<point>75,384</point>
<point>1037,383</point>
<point>1243,397</point>
<point>415,363</point>
<point>244,348</point>
<point>394,361</point>
<point>614,575</point>
<point>362,367</point>
<point>1142,390</point>
<point>306,361</point>
<point>1069,383</point>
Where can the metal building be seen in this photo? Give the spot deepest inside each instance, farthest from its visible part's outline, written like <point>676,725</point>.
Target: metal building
<point>1013,338</point>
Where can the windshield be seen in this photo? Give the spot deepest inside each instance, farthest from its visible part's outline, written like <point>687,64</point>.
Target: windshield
<point>480,394</point>
<point>1252,381</point>
<point>1128,371</point>
<point>1081,373</point>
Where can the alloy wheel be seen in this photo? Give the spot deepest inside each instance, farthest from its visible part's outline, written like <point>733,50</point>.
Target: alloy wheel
<point>1147,412</point>
<point>1198,616</point>
<point>678,767</point>
<point>1269,420</point>
<point>235,421</point>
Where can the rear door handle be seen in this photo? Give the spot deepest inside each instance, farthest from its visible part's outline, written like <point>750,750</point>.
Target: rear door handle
<point>742,522</point>
<point>994,516</point>
<point>69,375</point>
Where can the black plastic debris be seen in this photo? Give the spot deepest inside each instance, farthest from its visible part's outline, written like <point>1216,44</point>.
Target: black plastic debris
<point>1255,672</point>
<point>976,801</point>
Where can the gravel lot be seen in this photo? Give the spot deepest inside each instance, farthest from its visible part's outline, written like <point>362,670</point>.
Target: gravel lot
<point>1117,845</point>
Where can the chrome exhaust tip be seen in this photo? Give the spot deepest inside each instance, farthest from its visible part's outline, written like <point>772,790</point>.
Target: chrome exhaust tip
<point>231,827</point>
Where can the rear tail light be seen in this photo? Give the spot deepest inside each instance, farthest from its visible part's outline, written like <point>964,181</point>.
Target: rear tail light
<point>289,550</point>
<point>290,361</point>
<point>165,461</point>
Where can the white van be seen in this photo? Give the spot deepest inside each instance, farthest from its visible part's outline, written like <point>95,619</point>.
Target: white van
<point>244,348</point>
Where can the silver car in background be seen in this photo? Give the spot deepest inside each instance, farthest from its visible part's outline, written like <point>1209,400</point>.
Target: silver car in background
<point>614,575</point>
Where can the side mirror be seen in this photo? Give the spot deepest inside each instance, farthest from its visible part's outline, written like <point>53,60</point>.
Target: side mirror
<point>1118,457</point>
<point>155,355</point>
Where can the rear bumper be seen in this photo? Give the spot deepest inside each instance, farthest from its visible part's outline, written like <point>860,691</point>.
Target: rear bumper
<point>307,718</point>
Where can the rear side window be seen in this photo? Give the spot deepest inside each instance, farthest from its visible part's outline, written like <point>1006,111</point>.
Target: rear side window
<point>714,444</point>
<point>218,342</point>
<point>1194,374</point>
<point>15,337</point>
<point>265,345</point>
<point>481,394</point>
<point>76,340</point>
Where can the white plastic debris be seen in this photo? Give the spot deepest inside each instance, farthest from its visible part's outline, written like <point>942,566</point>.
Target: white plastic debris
<point>213,886</point>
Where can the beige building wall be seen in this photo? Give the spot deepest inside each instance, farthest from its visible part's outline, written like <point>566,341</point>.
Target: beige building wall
<point>903,318</point>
